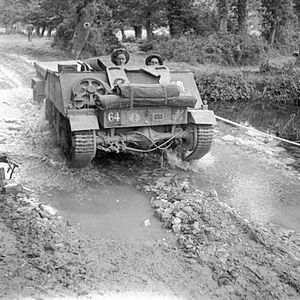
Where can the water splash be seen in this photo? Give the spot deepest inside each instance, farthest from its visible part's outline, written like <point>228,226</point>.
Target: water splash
<point>194,166</point>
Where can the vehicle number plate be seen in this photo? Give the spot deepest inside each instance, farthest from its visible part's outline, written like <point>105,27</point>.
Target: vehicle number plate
<point>158,116</point>
<point>114,117</point>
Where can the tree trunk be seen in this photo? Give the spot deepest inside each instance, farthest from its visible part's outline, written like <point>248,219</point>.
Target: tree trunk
<point>37,31</point>
<point>273,33</point>
<point>138,31</point>
<point>223,24</point>
<point>149,29</point>
<point>123,34</point>
<point>148,25</point>
<point>49,32</point>
<point>223,15</point>
<point>42,31</point>
<point>179,13</point>
<point>242,15</point>
<point>85,18</point>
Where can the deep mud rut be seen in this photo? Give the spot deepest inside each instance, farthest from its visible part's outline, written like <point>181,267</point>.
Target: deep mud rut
<point>91,233</point>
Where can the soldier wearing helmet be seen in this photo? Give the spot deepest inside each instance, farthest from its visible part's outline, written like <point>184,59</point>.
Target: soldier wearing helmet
<point>120,57</point>
<point>154,60</point>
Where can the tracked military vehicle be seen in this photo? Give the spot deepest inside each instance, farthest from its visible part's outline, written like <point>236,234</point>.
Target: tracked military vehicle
<point>141,108</point>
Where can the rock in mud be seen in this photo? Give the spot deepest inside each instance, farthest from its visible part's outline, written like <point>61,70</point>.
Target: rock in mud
<point>12,187</point>
<point>228,138</point>
<point>48,209</point>
<point>147,223</point>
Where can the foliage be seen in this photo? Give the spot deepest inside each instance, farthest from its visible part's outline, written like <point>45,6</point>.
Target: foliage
<point>180,16</point>
<point>101,42</point>
<point>297,8</point>
<point>205,18</point>
<point>194,26</point>
<point>48,13</point>
<point>277,90</point>
<point>64,34</point>
<point>218,87</point>
<point>183,48</point>
<point>221,49</point>
<point>101,39</point>
<point>279,20</point>
<point>13,12</point>
<point>147,13</point>
<point>280,89</point>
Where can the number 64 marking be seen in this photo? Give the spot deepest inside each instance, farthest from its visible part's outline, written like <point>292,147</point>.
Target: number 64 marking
<point>114,116</point>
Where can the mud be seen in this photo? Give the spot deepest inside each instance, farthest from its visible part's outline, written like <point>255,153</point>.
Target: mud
<point>52,245</point>
<point>240,254</point>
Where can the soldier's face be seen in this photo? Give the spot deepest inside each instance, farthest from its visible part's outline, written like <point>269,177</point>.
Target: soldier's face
<point>154,61</point>
<point>120,60</point>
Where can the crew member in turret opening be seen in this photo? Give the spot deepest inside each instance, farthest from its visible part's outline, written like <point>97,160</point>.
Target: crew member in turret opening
<point>120,57</point>
<point>154,60</point>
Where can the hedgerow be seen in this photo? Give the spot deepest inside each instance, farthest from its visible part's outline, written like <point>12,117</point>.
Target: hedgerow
<point>276,90</point>
<point>267,101</point>
<point>221,49</point>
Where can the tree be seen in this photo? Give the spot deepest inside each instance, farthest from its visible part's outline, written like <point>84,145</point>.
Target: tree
<point>54,11</point>
<point>120,14</point>
<point>205,17</point>
<point>13,12</point>
<point>85,14</point>
<point>153,13</point>
<point>297,8</point>
<point>223,9</point>
<point>278,20</point>
<point>86,29</point>
<point>42,13</point>
<point>138,14</point>
<point>242,15</point>
<point>180,16</point>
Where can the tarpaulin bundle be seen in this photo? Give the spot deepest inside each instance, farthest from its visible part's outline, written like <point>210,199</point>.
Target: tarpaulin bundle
<point>148,91</point>
<point>117,102</point>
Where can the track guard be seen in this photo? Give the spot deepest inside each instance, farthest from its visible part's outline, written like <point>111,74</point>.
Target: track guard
<point>198,116</point>
<point>83,122</point>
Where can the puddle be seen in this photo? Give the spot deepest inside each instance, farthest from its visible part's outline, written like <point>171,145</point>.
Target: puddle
<point>257,189</point>
<point>114,212</point>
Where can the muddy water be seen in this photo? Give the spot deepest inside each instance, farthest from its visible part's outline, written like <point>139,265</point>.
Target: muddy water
<point>247,181</point>
<point>113,212</point>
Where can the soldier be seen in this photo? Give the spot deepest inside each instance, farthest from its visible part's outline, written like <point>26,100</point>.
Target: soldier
<point>154,60</point>
<point>29,31</point>
<point>120,57</point>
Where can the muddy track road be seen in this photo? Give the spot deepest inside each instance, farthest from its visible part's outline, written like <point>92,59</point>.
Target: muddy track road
<point>105,214</point>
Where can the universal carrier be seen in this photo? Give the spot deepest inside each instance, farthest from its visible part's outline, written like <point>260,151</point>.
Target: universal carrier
<point>123,109</point>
